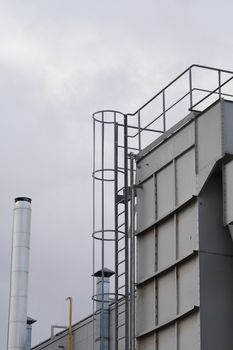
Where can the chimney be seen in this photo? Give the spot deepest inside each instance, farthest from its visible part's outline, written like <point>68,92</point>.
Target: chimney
<point>17,322</point>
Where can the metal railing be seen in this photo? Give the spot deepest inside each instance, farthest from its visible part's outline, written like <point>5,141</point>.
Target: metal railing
<point>189,95</point>
<point>116,137</point>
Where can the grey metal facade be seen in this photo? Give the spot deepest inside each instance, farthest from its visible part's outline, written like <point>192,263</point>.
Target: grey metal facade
<point>85,333</point>
<point>83,337</point>
<point>184,247</point>
<point>173,195</point>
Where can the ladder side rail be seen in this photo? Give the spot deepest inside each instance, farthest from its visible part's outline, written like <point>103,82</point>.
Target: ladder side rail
<point>126,232</point>
<point>116,229</point>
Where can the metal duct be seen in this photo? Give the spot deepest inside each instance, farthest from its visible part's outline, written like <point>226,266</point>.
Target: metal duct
<point>102,308</point>
<point>19,274</point>
<point>30,322</point>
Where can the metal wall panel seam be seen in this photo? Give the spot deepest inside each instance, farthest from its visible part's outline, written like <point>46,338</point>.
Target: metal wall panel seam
<point>176,335</point>
<point>156,248</point>
<point>224,206</point>
<point>139,183</point>
<point>167,135</point>
<point>156,340</point>
<point>173,130</point>
<point>195,135</point>
<point>156,302</point>
<point>155,195</point>
<point>222,116</point>
<point>183,315</point>
<point>196,146</point>
<point>168,268</point>
<point>177,289</point>
<point>175,180</point>
<point>176,235</point>
<point>176,278</point>
<point>166,216</point>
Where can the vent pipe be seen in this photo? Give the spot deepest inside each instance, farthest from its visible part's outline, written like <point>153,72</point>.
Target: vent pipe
<point>30,322</point>
<point>102,308</point>
<point>17,337</point>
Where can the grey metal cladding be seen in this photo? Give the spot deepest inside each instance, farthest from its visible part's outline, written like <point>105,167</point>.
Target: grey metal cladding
<point>185,257</point>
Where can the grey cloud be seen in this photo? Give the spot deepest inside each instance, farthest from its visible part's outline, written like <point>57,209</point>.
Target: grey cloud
<point>59,62</point>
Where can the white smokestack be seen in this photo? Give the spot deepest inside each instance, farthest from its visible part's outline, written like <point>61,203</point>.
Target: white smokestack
<point>19,274</point>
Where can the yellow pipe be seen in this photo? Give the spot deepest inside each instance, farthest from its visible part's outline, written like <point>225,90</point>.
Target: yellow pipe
<point>70,322</point>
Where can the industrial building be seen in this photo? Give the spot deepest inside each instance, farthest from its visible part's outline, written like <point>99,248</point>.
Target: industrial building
<point>162,222</point>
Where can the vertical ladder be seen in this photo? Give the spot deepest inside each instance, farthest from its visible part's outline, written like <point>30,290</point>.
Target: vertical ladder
<point>121,241</point>
<point>124,255</point>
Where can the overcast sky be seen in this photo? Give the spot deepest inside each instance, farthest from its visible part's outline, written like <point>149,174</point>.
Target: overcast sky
<point>61,60</point>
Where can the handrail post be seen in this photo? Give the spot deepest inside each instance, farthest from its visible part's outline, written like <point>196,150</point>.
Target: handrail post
<point>70,322</point>
<point>139,132</point>
<point>190,88</point>
<point>164,112</point>
<point>219,83</point>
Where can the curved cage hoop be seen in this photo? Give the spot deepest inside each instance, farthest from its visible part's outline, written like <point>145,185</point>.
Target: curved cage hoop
<point>99,298</point>
<point>101,235</point>
<point>103,174</point>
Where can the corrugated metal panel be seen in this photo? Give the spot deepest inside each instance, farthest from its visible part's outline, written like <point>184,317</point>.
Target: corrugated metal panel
<point>145,254</point>
<point>146,307</point>
<point>185,176</point>
<point>187,230</point>
<point>166,152</point>
<point>209,137</point>
<point>228,193</point>
<point>165,190</point>
<point>147,343</point>
<point>228,126</point>
<point>167,338</point>
<point>166,297</point>
<point>166,244</point>
<point>188,285</point>
<point>189,333</point>
<point>169,301</point>
<point>146,204</point>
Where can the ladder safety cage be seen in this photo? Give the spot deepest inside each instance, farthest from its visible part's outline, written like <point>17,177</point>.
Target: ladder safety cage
<point>117,138</point>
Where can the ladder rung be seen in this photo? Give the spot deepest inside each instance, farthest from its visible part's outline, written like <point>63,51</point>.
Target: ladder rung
<point>121,262</point>
<point>121,287</point>
<point>122,212</point>
<point>121,338</point>
<point>120,313</point>
<point>120,189</point>
<point>120,199</point>
<point>121,325</point>
<point>121,225</point>
<point>120,238</point>
<point>121,274</point>
<point>119,301</point>
<point>120,250</point>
